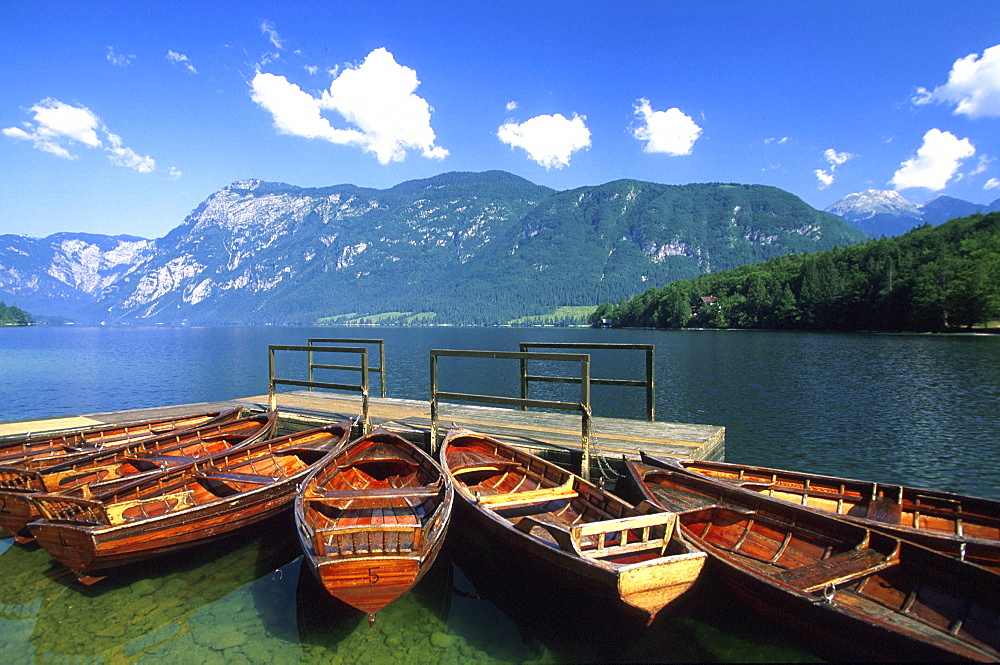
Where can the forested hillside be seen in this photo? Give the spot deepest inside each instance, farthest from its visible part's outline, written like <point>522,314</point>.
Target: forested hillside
<point>457,248</point>
<point>932,278</point>
<point>14,316</point>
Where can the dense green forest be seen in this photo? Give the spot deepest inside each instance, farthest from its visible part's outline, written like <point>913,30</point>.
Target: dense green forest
<point>930,279</point>
<point>14,316</point>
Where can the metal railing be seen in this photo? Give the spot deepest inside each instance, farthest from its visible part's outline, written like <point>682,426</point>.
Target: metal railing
<point>350,340</point>
<point>649,384</point>
<point>583,406</point>
<point>273,381</point>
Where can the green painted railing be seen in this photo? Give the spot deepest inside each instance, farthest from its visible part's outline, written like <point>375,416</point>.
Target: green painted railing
<point>273,381</point>
<point>649,383</point>
<point>583,406</point>
<point>350,340</point>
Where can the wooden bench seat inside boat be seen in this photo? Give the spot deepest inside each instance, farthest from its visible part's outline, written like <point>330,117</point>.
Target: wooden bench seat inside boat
<point>160,459</point>
<point>367,539</point>
<point>634,534</point>
<point>472,461</point>
<point>300,450</point>
<point>374,493</point>
<point>164,503</point>
<point>836,569</point>
<point>528,497</point>
<point>236,477</point>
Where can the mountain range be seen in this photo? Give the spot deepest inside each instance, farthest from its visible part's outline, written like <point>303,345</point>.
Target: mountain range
<point>459,248</point>
<point>886,213</point>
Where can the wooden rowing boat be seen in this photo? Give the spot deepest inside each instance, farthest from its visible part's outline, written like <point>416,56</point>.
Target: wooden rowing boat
<point>959,526</point>
<point>193,504</point>
<point>854,591</point>
<point>137,458</point>
<point>48,449</point>
<point>578,532</point>
<point>372,518</point>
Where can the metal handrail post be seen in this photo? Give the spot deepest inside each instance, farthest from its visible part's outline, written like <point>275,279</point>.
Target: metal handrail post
<point>650,385</point>
<point>524,379</point>
<point>587,424</point>
<point>381,365</point>
<point>366,421</point>
<point>310,378</point>
<point>434,404</point>
<point>272,398</point>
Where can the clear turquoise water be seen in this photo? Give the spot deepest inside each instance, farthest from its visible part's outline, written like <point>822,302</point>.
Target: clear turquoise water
<point>918,409</point>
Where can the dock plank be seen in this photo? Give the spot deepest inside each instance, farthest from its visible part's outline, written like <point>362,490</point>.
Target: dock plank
<point>534,430</point>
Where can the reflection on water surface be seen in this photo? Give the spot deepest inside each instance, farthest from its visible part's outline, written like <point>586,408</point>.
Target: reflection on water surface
<point>248,599</point>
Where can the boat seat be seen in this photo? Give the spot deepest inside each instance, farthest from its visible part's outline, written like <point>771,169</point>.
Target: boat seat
<point>836,569</point>
<point>470,461</point>
<point>884,510</point>
<point>300,450</point>
<point>173,501</point>
<point>590,538</point>
<point>236,477</point>
<point>528,497</point>
<point>367,539</point>
<point>160,459</point>
<point>373,493</point>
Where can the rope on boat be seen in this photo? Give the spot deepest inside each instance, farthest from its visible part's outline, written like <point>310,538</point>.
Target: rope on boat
<point>606,469</point>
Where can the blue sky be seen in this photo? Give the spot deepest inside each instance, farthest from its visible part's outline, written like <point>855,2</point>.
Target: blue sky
<point>121,117</point>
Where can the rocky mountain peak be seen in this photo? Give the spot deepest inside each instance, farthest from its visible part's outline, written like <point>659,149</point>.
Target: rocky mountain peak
<point>865,205</point>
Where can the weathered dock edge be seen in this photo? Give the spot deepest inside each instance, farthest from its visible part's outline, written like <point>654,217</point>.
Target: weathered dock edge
<point>553,436</point>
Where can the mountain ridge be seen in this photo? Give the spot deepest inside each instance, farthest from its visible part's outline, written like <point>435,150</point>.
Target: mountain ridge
<point>463,247</point>
<point>880,212</point>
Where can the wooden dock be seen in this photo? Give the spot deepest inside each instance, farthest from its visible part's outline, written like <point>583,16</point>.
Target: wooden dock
<point>555,436</point>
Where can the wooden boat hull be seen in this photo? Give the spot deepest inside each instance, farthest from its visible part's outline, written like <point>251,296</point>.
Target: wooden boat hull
<point>642,590</point>
<point>188,506</point>
<point>88,552</point>
<point>575,531</point>
<point>958,526</point>
<point>130,462</point>
<point>45,450</point>
<point>833,581</point>
<point>372,519</point>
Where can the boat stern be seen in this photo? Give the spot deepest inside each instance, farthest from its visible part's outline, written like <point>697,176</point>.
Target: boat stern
<point>370,583</point>
<point>651,585</point>
<point>71,545</point>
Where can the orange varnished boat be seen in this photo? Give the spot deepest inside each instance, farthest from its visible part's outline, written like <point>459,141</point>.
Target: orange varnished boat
<point>43,450</point>
<point>569,528</point>
<point>142,457</point>
<point>959,526</point>
<point>193,504</point>
<point>853,592</point>
<point>372,518</point>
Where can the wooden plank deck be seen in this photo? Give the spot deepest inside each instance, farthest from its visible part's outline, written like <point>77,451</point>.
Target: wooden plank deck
<point>555,436</point>
<point>552,435</point>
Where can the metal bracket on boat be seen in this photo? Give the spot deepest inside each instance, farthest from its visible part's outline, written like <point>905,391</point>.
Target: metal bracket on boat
<point>828,591</point>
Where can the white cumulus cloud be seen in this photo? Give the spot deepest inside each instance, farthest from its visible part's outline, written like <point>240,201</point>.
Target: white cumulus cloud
<point>267,28</point>
<point>973,86</point>
<point>834,159</point>
<point>670,132</point>
<point>549,140</point>
<point>937,161</point>
<point>992,183</point>
<point>120,59</point>
<point>58,127</point>
<point>181,59</point>
<point>377,98</point>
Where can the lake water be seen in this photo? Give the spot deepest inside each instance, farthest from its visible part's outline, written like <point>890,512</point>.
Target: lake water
<point>918,409</point>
